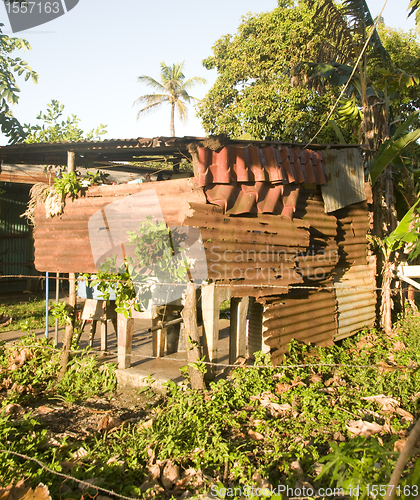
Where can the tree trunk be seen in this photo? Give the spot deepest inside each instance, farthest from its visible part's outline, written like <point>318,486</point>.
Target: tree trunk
<point>386,298</point>
<point>172,119</point>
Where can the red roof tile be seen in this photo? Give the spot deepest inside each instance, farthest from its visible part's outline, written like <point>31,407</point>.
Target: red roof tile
<point>254,180</point>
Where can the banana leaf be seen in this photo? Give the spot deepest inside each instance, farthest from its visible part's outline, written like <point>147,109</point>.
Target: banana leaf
<point>393,147</point>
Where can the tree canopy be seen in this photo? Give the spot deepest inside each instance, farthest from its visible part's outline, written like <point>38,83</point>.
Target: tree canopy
<point>52,129</point>
<point>173,89</point>
<point>254,96</point>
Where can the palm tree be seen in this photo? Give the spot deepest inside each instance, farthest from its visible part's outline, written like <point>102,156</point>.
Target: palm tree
<point>173,88</point>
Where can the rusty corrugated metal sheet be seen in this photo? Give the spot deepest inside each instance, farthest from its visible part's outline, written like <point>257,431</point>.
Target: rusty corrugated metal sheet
<point>62,244</point>
<point>256,256</point>
<point>353,226</point>
<point>304,315</point>
<point>355,275</point>
<point>345,178</point>
<point>323,316</point>
<point>253,179</point>
<point>322,255</point>
<point>356,298</point>
<point>25,174</point>
<point>259,164</point>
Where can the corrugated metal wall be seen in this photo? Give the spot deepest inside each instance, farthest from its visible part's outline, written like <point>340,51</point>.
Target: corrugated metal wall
<point>340,253</point>
<point>355,274</point>
<point>304,315</point>
<point>16,243</point>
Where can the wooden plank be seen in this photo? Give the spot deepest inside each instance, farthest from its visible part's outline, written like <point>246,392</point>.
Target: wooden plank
<point>125,339</point>
<point>237,339</point>
<point>211,299</point>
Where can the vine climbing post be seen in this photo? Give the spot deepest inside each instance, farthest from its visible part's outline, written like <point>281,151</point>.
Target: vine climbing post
<point>65,354</point>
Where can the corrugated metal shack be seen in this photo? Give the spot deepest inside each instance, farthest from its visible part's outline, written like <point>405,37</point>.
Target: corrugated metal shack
<point>282,225</point>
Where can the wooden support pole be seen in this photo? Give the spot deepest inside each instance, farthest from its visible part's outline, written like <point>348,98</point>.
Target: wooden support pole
<point>72,295</point>
<point>192,339</point>
<point>65,353</point>
<point>125,328</point>
<point>237,338</point>
<point>211,299</point>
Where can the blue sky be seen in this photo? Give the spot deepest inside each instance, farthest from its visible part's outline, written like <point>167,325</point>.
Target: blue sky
<point>89,59</point>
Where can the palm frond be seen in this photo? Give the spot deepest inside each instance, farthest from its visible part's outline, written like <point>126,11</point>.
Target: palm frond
<point>152,101</point>
<point>342,22</point>
<point>173,89</point>
<point>415,7</point>
<point>150,82</point>
<point>196,80</point>
<point>335,24</point>
<point>182,111</point>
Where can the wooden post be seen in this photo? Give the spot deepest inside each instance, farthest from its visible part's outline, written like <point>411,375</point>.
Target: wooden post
<point>158,337</point>
<point>125,339</point>
<point>192,339</point>
<point>211,299</point>
<point>104,334</point>
<point>65,353</point>
<point>237,338</point>
<point>72,296</point>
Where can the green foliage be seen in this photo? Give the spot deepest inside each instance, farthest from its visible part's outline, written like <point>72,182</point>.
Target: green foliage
<point>96,178</point>
<point>29,368</point>
<point>406,233</point>
<point>60,312</point>
<point>350,464</point>
<point>414,5</point>
<point>156,256</point>
<point>253,97</point>
<point>84,379</point>
<point>68,184</point>
<point>390,151</point>
<point>53,130</point>
<point>28,314</point>
<point>234,429</point>
<point>11,68</point>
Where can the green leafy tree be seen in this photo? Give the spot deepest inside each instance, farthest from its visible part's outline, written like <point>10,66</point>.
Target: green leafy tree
<point>54,130</point>
<point>11,68</point>
<point>253,96</point>
<point>172,88</point>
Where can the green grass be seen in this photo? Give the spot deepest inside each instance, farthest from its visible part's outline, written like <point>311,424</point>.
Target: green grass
<point>27,314</point>
<point>233,430</point>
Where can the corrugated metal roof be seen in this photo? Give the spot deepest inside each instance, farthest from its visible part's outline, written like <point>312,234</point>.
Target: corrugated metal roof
<point>252,179</point>
<point>255,164</point>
